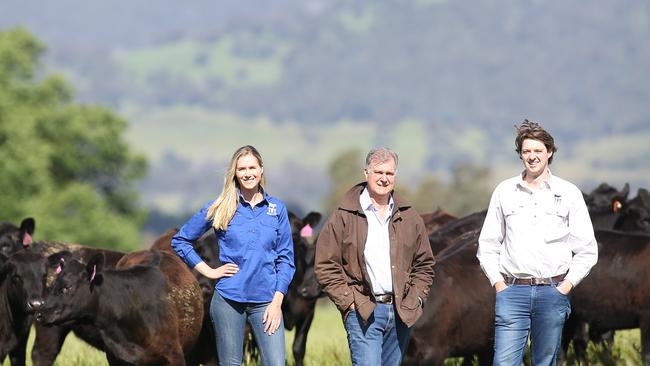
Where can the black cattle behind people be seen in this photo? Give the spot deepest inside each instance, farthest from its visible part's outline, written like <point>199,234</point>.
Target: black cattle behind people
<point>635,214</point>
<point>447,234</point>
<point>433,220</point>
<point>14,238</point>
<point>458,318</point>
<point>207,248</point>
<point>148,310</point>
<point>616,293</point>
<point>15,320</point>
<point>298,310</point>
<point>605,203</point>
<point>608,208</point>
<point>28,275</point>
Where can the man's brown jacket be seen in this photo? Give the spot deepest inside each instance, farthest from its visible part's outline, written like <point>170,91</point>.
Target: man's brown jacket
<point>340,265</point>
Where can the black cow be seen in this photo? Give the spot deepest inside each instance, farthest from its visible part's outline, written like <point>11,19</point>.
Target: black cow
<point>607,208</point>
<point>635,215</point>
<point>605,204</point>
<point>433,220</point>
<point>298,310</point>
<point>207,248</point>
<point>13,238</point>
<point>447,234</point>
<point>15,319</point>
<point>148,310</point>
<point>458,318</point>
<point>615,295</point>
<point>29,278</point>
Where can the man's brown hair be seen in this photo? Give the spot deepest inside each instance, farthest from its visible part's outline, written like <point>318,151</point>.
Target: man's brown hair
<point>532,130</point>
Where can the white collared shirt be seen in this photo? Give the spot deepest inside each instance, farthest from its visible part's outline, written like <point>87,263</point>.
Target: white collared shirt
<point>540,233</point>
<point>377,250</point>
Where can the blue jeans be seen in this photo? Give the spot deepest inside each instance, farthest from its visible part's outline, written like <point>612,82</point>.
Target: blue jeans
<point>523,310</point>
<point>381,341</point>
<point>229,321</point>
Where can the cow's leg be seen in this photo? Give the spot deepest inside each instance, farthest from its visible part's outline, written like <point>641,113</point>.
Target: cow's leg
<point>300,340</point>
<point>17,355</point>
<point>174,355</point>
<point>486,356</point>
<point>47,344</point>
<point>645,340</point>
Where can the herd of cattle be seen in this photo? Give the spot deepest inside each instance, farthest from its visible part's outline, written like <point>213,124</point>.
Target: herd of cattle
<point>149,308</point>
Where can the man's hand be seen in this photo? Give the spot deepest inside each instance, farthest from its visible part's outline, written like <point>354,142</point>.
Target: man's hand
<point>500,286</point>
<point>565,287</point>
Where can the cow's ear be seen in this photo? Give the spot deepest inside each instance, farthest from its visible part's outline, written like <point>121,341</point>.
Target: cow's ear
<point>313,219</point>
<point>625,192</point>
<point>57,260</point>
<point>645,196</point>
<point>28,225</point>
<point>27,228</point>
<point>94,269</point>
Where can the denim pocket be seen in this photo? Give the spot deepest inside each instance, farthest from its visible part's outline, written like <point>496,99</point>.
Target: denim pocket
<point>558,291</point>
<point>505,289</point>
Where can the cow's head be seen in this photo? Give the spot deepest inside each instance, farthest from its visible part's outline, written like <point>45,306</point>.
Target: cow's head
<point>73,294</point>
<point>304,279</point>
<point>13,238</point>
<point>25,275</point>
<point>635,215</point>
<point>605,204</point>
<point>309,287</point>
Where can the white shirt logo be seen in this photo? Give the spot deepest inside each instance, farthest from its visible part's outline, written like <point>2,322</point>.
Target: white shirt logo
<point>273,209</point>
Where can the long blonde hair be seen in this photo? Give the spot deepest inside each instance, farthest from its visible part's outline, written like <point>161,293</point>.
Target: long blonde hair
<point>224,207</point>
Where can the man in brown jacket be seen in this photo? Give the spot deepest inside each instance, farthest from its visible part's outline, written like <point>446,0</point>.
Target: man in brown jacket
<point>374,261</point>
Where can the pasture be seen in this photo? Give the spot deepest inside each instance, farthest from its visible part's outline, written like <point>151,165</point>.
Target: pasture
<point>327,346</point>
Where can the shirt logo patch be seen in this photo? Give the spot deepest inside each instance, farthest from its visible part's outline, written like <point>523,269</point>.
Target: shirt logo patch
<point>273,209</point>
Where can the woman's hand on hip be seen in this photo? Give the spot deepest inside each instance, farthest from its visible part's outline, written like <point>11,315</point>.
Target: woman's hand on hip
<point>226,270</point>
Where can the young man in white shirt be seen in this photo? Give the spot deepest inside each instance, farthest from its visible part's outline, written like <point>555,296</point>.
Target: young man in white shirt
<point>536,244</point>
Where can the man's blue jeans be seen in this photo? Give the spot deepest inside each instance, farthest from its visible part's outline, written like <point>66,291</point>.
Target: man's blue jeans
<point>229,321</point>
<point>522,310</point>
<point>381,341</point>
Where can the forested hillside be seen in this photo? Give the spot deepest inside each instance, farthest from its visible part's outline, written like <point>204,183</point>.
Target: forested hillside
<point>450,77</point>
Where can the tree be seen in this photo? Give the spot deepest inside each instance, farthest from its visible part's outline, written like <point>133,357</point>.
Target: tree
<point>345,170</point>
<point>468,191</point>
<point>64,164</point>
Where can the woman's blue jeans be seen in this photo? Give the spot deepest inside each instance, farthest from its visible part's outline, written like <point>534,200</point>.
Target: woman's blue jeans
<point>523,310</point>
<point>229,321</point>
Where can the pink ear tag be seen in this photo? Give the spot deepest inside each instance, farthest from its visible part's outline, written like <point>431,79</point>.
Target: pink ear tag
<point>27,239</point>
<point>306,231</point>
<point>58,269</point>
<point>92,276</point>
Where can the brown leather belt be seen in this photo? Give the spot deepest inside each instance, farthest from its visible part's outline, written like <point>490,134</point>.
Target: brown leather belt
<point>384,298</point>
<point>534,281</point>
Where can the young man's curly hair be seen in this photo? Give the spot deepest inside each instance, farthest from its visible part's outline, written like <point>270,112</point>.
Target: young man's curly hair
<point>533,130</point>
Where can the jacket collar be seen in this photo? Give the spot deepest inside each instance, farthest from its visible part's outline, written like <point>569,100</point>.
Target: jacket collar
<point>350,200</point>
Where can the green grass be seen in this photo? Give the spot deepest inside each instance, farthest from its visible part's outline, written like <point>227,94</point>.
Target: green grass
<point>327,345</point>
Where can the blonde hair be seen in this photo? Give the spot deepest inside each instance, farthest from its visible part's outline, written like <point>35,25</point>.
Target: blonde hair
<point>224,207</point>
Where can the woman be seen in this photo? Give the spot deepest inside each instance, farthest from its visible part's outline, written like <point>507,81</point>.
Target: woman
<point>255,245</point>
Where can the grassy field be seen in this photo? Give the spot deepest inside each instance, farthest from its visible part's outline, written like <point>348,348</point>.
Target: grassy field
<point>327,346</point>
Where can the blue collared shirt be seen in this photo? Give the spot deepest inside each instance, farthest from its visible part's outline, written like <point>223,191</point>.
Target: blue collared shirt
<point>258,240</point>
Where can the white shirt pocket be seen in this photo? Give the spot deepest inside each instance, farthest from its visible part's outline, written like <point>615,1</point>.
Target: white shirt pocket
<point>557,225</point>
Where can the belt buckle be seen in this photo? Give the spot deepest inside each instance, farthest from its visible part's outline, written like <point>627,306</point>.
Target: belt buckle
<point>541,281</point>
<point>384,299</point>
